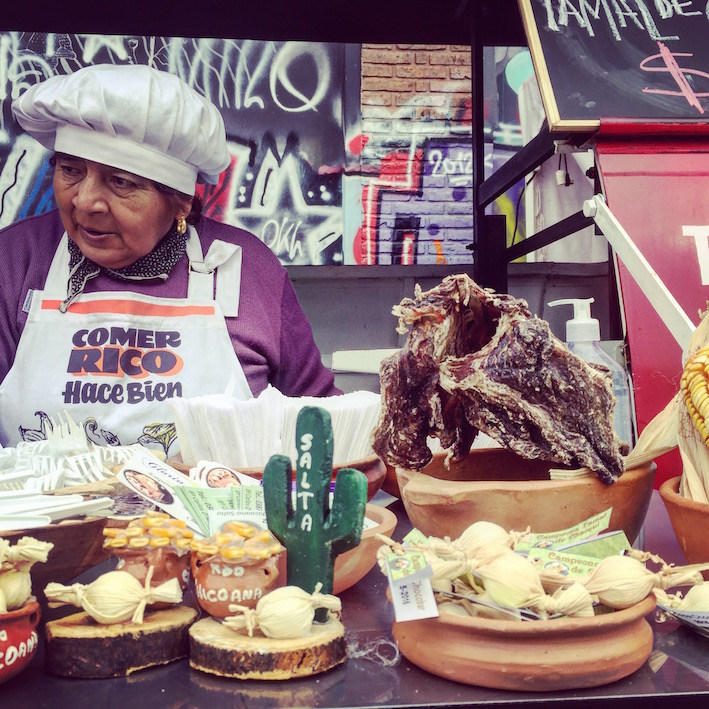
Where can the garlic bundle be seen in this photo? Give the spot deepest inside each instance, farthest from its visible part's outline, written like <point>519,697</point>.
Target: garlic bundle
<point>575,601</point>
<point>621,581</point>
<point>447,560</point>
<point>285,612</point>
<point>512,580</point>
<point>482,534</point>
<point>15,565</point>
<point>115,596</point>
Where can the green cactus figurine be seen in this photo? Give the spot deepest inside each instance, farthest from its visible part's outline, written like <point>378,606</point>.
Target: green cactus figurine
<point>312,533</point>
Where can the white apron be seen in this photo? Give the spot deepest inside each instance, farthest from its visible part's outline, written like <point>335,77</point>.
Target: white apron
<point>114,358</point>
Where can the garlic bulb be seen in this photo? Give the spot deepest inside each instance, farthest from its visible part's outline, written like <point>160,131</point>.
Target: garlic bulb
<point>115,596</point>
<point>15,565</point>
<point>285,612</point>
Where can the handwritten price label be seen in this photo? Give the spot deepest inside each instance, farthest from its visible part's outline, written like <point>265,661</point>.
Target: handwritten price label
<point>410,585</point>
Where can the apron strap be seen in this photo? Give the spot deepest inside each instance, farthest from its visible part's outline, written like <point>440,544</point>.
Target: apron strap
<point>224,259</point>
<point>58,275</point>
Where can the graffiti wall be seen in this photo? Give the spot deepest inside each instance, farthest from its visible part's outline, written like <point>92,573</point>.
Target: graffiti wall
<point>417,160</point>
<point>341,154</point>
<point>283,110</point>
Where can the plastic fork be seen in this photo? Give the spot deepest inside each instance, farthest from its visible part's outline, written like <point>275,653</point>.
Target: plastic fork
<point>16,480</point>
<point>66,436</point>
<point>85,467</point>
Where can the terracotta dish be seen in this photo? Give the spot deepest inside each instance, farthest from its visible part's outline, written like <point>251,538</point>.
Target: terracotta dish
<point>537,656</point>
<point>496,485</point>
<point>355,564</point>
<point>373,467</point>
<point>689,520</point>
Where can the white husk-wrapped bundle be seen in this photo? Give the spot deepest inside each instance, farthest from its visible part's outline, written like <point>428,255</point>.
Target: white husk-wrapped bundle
<point>474,541</point>
<point>696,599</point>
<point>511,580</point>
<point>15,565</point>
<point>114,597</point>
<point>622,581</point>
<point>286,612</point>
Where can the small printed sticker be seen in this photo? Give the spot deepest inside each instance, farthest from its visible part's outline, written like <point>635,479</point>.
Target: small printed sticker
<point>410,584</point>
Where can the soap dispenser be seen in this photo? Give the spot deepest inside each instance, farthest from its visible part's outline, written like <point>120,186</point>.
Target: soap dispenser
<point>583,335</point>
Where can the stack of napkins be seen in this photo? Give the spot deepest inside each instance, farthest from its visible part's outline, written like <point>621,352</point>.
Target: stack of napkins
<point>245,434</point>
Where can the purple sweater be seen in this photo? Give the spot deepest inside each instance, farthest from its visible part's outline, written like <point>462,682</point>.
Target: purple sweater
<point>272,336</point>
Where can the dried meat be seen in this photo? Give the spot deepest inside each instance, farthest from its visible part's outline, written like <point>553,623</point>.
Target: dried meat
<point>475,360</point>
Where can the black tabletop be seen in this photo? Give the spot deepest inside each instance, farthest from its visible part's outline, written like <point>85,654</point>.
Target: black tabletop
<point>375,675</point>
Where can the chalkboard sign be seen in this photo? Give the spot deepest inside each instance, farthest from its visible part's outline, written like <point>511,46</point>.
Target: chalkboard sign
<point>619,59</point>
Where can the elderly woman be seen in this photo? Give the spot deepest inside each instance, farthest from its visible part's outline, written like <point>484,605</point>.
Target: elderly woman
<point>125,295</point>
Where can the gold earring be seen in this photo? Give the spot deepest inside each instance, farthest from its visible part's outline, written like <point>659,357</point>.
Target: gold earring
<point>181,226</point>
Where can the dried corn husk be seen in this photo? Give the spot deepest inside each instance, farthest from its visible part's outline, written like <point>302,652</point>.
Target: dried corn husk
<point>15,566</point>
<point>695,600</point>
<point>15,590</point>
<point>453,608</point>
<point>24,553</point>
<point>482,606</point>
<point>115,596</point>
<point>681,422</point>
<point>452,563</point>
<point>285,612</point>
<point>474,540</point>
<point>622,581</point>
<point>511,580</point>
<point>575,601</point>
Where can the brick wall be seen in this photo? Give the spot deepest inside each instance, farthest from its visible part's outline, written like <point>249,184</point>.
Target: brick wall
<point>417,160</point>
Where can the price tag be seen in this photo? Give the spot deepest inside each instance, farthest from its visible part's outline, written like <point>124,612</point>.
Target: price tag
<point>410,585</point>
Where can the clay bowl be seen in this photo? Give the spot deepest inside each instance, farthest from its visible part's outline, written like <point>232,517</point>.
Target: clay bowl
<point>373,467</point>
<point>18,639</point>
<point>496,485</point>
<point>689,519</point>
<point>537,656</point>
<point>78,545</point>
<point>355,564</point>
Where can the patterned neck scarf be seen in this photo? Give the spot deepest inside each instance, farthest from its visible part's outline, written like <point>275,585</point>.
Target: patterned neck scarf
<point>157,264</point>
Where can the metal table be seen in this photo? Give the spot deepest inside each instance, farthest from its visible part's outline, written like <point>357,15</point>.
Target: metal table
<point>375,675</point>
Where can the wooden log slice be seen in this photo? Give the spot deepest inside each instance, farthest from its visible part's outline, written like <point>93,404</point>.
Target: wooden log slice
<point>78,646</point>
<point>219,650</point>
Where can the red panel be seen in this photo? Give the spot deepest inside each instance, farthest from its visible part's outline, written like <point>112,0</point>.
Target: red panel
<point>656,185</point>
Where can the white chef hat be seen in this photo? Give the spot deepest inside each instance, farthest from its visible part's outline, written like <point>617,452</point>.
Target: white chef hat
<point>131,117</point>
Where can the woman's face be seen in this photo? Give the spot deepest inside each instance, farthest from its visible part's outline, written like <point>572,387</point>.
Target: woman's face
<point>113,216</point>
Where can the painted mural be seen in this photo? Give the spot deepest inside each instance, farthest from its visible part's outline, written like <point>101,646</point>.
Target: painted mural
<point>317,173</point>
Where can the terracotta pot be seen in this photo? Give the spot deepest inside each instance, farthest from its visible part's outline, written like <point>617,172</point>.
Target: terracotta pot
<point>373,467</point>
<point>168,562</point>
<point>355,564</point>
<point>219,583</point>
<point>18,639</point>
<point>496,485</point>
<point>537,656</point>
<point>690,520</point>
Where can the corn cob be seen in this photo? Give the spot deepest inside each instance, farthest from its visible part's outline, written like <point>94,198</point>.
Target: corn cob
<point>694,385</point>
